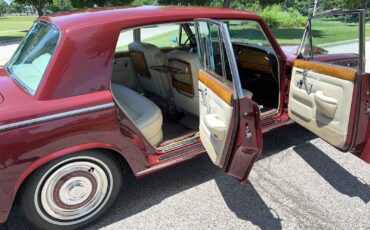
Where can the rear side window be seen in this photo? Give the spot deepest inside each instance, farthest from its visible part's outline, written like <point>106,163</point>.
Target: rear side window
<point>162,35</point>
<point>31,59</point>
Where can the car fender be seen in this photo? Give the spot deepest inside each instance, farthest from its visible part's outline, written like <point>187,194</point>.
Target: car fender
<point>52,156</point>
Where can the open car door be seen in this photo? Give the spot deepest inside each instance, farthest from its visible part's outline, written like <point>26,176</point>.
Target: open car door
<point>229,122</point>
<point>326,78</point>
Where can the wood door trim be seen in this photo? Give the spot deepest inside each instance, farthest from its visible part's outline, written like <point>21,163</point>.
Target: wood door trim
<point>219,88</point>
<point>327,69</point>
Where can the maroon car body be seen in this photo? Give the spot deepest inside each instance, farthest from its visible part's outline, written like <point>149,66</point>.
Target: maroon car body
<point>73,108</point>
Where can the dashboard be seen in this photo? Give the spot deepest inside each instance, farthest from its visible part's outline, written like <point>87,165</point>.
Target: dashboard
<point>252,58</point>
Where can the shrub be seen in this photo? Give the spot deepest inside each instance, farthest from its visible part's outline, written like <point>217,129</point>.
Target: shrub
<point>276,17</point>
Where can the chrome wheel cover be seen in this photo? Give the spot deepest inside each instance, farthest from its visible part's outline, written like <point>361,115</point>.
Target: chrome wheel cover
<point>73,190</point>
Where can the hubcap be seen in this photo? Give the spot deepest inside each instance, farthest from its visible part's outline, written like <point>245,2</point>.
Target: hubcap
<point>73,192</point>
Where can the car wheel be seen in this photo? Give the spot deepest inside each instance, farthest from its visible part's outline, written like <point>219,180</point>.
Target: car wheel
<point>70,192</point>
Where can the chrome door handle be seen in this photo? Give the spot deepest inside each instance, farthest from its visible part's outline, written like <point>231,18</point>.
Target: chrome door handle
<point>303,82</point>
<point>203,93</point>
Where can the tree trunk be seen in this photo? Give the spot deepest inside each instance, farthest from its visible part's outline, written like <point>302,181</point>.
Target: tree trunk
<point>227,3</point>
<point>39,11</point>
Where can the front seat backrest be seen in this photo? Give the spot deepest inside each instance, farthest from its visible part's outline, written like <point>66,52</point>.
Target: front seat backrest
<point>143,56</point>
<point>185,85</point>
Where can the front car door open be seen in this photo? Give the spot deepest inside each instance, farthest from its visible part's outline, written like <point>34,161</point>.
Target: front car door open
<point>229,122</point>
<point>326,77</point>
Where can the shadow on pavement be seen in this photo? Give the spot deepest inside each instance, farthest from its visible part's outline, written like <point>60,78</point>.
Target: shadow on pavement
<point>243,200</point>
<point>247,204</point>
<point>337,176</point>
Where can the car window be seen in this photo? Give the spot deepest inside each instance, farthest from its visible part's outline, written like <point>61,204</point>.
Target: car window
<point>247,32</point>
<point>335,40</point>
<point>213,53</point>
<point>163,35</point>
<point>31,59</point>
<point>125,38</point>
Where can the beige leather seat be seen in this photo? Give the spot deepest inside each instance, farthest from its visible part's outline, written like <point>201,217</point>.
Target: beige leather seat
<point>185,85</point>
<point>143,56</point>
<point>143,112</point>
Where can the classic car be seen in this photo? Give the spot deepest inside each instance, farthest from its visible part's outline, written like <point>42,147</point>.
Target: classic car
<point>88,97</point>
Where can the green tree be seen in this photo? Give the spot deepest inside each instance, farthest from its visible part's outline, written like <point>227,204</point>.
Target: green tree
<point>356,4</point>
<point>39,5</point>
<point>185,2</point>
<point>3,7</point>
<point>15,7</point>
<point>100,3</point>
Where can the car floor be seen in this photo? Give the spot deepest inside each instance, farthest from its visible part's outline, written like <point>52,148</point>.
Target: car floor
<point>184,125</point>
<point>265,93</point>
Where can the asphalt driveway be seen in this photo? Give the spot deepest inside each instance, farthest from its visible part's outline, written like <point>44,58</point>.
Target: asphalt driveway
<point>299,182</point>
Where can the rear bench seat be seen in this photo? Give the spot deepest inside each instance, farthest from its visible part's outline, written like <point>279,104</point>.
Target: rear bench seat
<point>144,113</point>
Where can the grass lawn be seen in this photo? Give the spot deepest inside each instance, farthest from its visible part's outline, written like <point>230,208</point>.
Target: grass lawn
<point>324,32</point>
<point>161,40</point>
<point>15,27</point>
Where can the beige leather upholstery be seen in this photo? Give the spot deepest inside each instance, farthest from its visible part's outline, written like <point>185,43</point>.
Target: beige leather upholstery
<point>143,112</point>
<point>215,119</point>
<point>123,72</point>
<point>143,56</point>
<point>324,108</point>
<point>189,62</point>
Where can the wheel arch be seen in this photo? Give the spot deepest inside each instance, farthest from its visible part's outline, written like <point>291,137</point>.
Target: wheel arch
<point>106,148</point>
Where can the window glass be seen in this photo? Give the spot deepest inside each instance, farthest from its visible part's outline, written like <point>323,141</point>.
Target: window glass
<point>247,32</point>
<point>335,40</point>
<point>163,35</point>
<point>125,38</point>
<point>33,55</point>
<point>212,50</point>
<point>184,36</point>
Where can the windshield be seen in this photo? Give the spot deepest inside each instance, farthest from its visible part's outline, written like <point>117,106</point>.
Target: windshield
<point>29,62</point>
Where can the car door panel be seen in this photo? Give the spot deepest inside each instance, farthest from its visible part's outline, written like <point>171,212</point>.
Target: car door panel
<point>320,99</point>
<point>216,113</point>
<point>247,147</point>
<point>229,122</point>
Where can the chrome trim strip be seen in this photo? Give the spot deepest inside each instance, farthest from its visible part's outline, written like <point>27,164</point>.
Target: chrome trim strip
<point>55,116</point>
<point>362,50</point>
<point>167,164</point>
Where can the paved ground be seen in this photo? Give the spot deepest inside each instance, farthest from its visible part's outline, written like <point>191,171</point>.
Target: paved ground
<point>299,182</point>
<point>6,50</point>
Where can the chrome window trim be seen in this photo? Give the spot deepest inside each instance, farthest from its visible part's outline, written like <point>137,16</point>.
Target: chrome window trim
<point>229,53</point>
<point>362,37</point>
<point>56,116</point>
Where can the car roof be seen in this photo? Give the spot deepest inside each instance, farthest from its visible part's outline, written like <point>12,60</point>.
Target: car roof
<point>82,62</point>
<point>99,16</point>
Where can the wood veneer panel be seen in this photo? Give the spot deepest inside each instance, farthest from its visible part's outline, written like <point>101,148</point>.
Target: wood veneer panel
<point>219,88</point>
<point>327,69</point>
